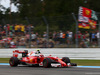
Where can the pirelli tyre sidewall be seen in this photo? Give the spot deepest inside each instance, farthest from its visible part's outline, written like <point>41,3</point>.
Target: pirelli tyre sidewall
<point>47,63</point>
<point>13,61</point>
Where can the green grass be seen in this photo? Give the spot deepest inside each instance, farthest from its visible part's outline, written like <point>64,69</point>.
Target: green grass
<point>87,62</point>
<point>4,60</point>
<point>79,62</point>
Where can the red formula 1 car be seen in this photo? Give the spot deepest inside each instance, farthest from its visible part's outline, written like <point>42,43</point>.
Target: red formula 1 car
<point>35,58</point>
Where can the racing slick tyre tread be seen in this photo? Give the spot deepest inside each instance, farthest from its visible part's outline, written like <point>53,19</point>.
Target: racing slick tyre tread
<point>13,61</point>
<point>47,63</point>
<point>66,60</point>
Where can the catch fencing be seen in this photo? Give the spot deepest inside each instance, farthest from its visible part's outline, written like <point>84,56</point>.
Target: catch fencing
<point>46,31</point>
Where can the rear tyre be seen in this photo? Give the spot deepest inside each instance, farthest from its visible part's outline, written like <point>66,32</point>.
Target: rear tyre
<point>47,63</point>
<point>66,60</point>
<point>13,61</point>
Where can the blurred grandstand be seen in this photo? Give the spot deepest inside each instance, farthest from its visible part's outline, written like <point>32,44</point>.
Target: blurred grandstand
<point>32,33</point>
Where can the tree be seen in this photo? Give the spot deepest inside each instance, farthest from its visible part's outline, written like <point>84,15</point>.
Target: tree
<point>52,9</point>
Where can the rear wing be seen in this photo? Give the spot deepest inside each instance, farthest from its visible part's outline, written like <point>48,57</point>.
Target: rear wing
<point>16,52</point>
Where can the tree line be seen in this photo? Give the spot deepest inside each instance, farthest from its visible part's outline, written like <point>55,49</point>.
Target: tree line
<point>58,12</point>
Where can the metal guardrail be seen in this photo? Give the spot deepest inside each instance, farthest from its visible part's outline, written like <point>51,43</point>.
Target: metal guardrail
<point>72,53</point>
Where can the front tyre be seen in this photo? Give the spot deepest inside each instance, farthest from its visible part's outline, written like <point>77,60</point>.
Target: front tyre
<point>13,61</point>
<point>66,60</point>
<point>73,64</point>
<point>47,63</point>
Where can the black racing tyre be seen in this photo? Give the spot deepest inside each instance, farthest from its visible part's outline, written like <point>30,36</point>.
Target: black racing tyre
<point>47,63</point>
<point>73,64</point>
<point>66,60</point>
<point>13,61</point>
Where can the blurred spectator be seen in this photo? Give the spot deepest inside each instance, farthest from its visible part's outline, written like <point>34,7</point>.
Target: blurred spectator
<point>1,28</point>
<point>11,28</point>
<point>90,37</point>
<point>37,40</point>
<point>87,35</point>
<point>27,28</point>
<point>45,43</point>
<point>45,35</point>
<point>8,27</point>
<point>11,34</point>
<point>93,38</point>
<point>70,38</point>
<point>40,43</point>
<point>98,37</point>
<point>50,35</point>
<point>37,35</point>
<point>12,44</point>
<point>2,43</point>
<point>51,43</point>
<point>58,38</point>
<point>0,36</point>
<point>61,37</point>
<point>4,27</point>
<point>22,29</point>
<point>17,41</point>
<point>15,29</point>
<point>27,37</point>
<point>33,37</point>
<point>55,36</point>
<point>3,33</point>
<point>79,36</point>
<point>32,27</point>
<point>5,42</point>
<point>22,43</point>
<point>19,30</point>
<point>67,37</point>
<point>82,44</point>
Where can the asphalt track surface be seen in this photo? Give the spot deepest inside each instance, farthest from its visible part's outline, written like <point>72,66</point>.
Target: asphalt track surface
<point>26,70</point>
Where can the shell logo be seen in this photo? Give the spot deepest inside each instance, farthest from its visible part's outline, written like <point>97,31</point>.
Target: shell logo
<point>87,12</point>
<point>59,59</point>
<point>31,60</point>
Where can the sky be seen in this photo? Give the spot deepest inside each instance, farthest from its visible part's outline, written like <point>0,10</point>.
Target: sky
<point>6,3</point>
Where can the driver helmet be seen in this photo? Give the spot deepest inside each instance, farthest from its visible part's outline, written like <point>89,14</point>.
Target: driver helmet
<point>38,51</point>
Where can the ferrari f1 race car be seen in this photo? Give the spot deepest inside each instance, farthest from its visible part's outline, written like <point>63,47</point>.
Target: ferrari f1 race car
<point>36,58</point>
